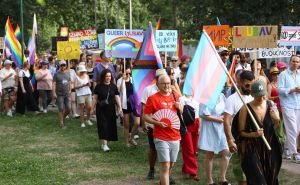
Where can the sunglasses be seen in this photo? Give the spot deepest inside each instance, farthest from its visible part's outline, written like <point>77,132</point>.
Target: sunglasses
<point>247,85</point>
<point>224,54</point>
<point>172,73</point>
<point>128,73</point>
<point>63,65</point>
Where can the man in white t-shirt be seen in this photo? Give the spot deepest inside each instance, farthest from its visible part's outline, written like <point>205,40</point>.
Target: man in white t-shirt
<point>152,155</point>
<point>232,106</point>
<point>174,65</point>
<point>8,80</point>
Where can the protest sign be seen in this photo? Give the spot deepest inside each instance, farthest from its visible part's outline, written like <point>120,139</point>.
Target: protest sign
<point>166,40</point>
<point>255,36</point>
<point>122,43</point>
<point>219,34</point>
<point>88,38</point>
<point>64,31</point>
<point>55,40</point>
<point>68,50</point>
<point>1,42</point>
<point>101,41</point>
<point>290,36</point>
<point>279,52</point>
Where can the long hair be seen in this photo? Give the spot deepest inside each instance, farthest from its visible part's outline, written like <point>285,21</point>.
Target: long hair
<point>103,74</point>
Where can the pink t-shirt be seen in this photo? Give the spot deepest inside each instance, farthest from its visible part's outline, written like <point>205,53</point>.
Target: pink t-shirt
<point>44,83</point>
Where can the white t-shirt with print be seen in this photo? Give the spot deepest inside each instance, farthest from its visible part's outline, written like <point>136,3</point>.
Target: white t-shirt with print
<point>10,82</point>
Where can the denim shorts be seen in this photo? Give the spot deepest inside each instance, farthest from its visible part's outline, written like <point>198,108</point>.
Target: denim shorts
<point>167,151</point>
<point>63,102</point>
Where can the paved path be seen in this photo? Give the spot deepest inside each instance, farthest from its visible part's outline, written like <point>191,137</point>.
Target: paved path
<point>290,166</point>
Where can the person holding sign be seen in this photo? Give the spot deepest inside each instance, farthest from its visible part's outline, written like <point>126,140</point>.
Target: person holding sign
<point>260,165</point>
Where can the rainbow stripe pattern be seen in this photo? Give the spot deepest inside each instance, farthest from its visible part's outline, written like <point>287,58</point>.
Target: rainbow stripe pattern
<point>31,43</point>
<point>13,44</point>
<point>206,75</point>
<point>145,65</point>
<point>18,33</point>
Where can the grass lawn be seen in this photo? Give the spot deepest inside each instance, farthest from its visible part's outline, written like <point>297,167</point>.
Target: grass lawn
<point>34,150</point>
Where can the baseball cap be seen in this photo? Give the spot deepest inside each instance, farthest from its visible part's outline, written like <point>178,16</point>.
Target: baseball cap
<point>258,88</point>
<point>7,62</point>
<point>44,62</point>
<point>160,72</point>
<point>62,62</point>
<point>174,58</point>
<point>222,49</point>
<point>281,65</point>
<point>274,70</point>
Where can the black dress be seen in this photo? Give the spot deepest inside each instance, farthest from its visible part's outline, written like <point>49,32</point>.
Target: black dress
<point>260,165</point>
<point>25,99</point>
<point>106,116</point>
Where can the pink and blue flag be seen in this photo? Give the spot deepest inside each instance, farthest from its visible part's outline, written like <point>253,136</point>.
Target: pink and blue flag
<point>145,65</point>
<point>206,75</point>
<point>32,42</point>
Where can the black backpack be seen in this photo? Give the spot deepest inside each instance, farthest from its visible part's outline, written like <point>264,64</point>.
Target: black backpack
<point>188,114</point>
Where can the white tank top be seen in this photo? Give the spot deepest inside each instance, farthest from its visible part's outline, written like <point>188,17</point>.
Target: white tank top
<point>83,90</point>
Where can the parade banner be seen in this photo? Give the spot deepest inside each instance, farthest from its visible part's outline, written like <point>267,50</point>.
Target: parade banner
<point>166,40</point>
<point>88,38</point>
<point>55,40</point>
<point>101,41</point>
<point>68,50</point>
<point>255,36</point>
<point>290,36</point>
<point>1,42</point>
<point>219,34</point>
<point>122,43</point>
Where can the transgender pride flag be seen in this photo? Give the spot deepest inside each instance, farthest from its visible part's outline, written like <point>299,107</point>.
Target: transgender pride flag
<point>206,75</point>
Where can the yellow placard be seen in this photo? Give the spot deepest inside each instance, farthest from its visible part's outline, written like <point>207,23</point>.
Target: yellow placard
<point>68,50</point>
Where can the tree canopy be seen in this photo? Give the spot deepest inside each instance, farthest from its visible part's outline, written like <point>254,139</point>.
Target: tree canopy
<point>186,16</point>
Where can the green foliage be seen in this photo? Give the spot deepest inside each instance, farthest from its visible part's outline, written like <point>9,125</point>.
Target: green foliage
<point>186,16</point>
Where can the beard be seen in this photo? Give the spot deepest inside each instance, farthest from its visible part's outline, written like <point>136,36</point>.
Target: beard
<point>245,91</point>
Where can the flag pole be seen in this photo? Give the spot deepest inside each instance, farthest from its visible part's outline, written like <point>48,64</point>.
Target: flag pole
<point>239,93</point>
<point>124,63</point>
<point>22,31</point>
<point>166,58</point>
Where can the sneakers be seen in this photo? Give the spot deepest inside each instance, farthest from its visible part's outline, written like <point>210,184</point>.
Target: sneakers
<point>136,137</point>
<point>76,115</point>
<point>133,142</point>
<point>9,113</point>
<point>296,158</point>
<point>45,111</point>
<point>63,126</point>
<point>105,148</point>
<point>286,155</point>
<point>89,122</point>
<point>150,175</point>
<point>82,125</point>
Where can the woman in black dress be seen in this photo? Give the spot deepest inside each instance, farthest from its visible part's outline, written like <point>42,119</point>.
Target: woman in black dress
<point>260,165</point>
<point>106,95</point>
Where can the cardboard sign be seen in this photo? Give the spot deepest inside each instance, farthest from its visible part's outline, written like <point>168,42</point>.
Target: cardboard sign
<point>88,38</point>
<point>1,42</point>
<point>166,40</point>
<point>290,36</point>
<point>255,36</point>
<point>101,41</point>
<point>279,52</point>
<point>68,50</point>
<point>55,40</point>
<point>219,34</point>
<point>123,43</point>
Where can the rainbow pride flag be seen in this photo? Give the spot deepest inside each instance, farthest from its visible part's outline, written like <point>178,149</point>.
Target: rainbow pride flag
<point>179,47</point>
<point>13,44</point>
<point>145,65</point>
<point>206,75</point>
<point>18,33</point>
